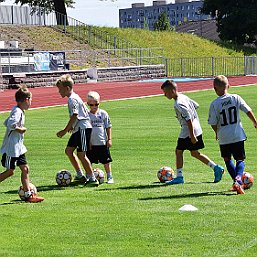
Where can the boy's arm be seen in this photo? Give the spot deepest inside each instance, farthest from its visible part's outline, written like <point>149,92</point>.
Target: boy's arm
<point>191,132</point>
<point>68,127</point>
<point>109,137</point>
<point>21,130</point>
<point>252,118</point>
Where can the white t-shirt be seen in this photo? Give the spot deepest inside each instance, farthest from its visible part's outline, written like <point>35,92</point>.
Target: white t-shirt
<point>77,106</point>
<point>13,141</point>
<point>185,109</point>
<point>100,122</point>
<point>225,113</point>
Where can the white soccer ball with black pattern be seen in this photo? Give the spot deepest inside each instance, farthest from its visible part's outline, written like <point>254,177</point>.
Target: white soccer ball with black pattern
<point>63,178</point>
<point>99,175</point>
<point>21,191</point>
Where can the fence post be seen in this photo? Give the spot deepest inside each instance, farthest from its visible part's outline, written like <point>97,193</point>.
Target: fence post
<point>140,63</point>
<point>212,66</point>
<point>166,67</point>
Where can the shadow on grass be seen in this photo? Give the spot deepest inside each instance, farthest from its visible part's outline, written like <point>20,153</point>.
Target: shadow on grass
<point>148,186</point>
<point>50,188</point>
<point>13,202</point>
<point>190,195</point>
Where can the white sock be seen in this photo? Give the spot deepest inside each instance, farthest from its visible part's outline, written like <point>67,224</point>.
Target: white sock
<point>211,164</point>
<point>180,172</point>
<point>109,174</point>
<point>27,194</point>
<point>79,173</point>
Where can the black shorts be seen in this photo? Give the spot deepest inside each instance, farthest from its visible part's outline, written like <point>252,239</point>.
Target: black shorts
<point>99,153</point>
<point>237,150</point>
<point>11,162</point>
<point>186,144</point>
<point>80,140</point>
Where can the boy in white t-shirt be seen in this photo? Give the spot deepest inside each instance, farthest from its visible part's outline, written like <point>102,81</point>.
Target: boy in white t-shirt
<point>101,137</point>
<point>190,137</point>
<point>224,117</point>
<point>13,149</point>
<point>80,127</point>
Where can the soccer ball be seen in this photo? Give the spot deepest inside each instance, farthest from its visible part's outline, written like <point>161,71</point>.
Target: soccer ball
<point>21,191</point>
<point>63,178</point>
<point>165,174</point>
<point>247,179</point>
<point>99,175</point>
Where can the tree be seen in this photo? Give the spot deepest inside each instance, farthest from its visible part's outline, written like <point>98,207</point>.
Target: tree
<point>163,22</point>
<point>236,19</point>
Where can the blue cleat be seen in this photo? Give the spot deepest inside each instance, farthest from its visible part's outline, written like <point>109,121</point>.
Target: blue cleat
<point>218,172</point>
<point>177,180</point>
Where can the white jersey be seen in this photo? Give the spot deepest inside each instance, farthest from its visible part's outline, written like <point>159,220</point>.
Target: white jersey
<point>100,122</point>
<point>225,113</point>
<point>13,141</point>
<point>77,106</point>
<point>185,109</point>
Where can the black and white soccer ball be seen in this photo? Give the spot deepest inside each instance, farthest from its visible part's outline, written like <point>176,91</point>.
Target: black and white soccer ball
<point>63,178</point>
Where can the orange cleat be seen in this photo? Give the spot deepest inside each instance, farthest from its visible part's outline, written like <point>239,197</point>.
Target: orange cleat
<point>34,199</point>
<point>238,188</point>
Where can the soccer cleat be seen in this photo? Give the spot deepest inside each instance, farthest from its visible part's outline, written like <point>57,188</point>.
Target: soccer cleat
<point>238,188</point>
<point>218,172</point>
<point>92,183</point>
<point>34,199</point>
<point>81,178</point>
<point>110,180</point>
<point>177,180</point>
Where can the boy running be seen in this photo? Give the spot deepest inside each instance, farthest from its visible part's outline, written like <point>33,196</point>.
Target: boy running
<point>13,150</point>
<point>190,137</point>
<point>224,117</point>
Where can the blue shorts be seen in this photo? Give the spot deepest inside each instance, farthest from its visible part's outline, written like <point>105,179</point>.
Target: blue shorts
<point>237,150</point>
<point>11,162</point>
<point>186,144</point>
<point>80,140</point>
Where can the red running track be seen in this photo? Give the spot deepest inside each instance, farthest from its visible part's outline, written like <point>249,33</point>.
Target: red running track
<point>49,96</point>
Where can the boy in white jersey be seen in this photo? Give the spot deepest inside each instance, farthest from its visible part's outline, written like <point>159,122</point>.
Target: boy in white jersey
<point>80,126</point>
<point>13,150</point>
<point>224,117</point>
<point>101,137</point>
<point>190,137</point>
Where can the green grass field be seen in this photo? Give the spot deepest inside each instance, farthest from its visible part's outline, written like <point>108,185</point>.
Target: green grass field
<point>137,216</point>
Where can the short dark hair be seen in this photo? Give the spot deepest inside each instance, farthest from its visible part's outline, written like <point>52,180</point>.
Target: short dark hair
<point>22,94</point>
<point>170,84</point>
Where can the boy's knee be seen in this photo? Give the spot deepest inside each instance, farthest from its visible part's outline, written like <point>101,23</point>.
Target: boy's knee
<point>195,154</point>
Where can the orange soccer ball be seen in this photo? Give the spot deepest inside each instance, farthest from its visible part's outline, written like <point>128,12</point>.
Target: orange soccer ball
<point>21,192</point>
<point>165,173</point>
<point>247,180</point>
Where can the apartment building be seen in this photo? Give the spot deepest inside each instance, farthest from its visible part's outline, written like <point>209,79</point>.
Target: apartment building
<point>179,11</point>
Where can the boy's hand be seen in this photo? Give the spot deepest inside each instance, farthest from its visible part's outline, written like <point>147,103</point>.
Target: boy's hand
<point>21,130</point>
<point>109,143</point>
<point>194,140</point>
<point>61,133</point>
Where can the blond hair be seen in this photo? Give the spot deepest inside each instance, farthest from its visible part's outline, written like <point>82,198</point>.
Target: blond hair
<point>93,95</point>
<point>221,81</point>
<point>65,81</point>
